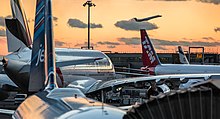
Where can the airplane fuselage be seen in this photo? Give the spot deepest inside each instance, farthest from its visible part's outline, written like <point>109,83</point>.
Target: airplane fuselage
<point>18,66</point>
<point>65,103</point>
<point>185,69</point>
<point>101,70</point>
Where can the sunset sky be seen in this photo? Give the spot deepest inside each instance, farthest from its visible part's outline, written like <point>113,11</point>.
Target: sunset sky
<point>183,22</point>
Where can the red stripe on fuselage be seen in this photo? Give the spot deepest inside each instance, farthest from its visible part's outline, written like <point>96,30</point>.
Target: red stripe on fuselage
<point>151,70</point>
<point>38,26</point>
<point>60,75</point>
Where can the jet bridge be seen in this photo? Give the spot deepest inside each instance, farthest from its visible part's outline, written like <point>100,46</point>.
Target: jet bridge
<point>199,102</point>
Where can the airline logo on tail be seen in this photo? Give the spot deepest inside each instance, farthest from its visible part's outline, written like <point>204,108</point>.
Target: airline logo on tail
<point>149,56</point>
<point>40,57</point>
<point>37,74</point>
<point>148,49</point>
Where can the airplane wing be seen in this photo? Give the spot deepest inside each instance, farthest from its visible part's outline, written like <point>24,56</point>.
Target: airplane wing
<point>108,85</point>
<point>162,79</point>
<point>76,61</point>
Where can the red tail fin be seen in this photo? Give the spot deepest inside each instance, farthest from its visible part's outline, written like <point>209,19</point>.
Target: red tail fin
<point>149,56</point>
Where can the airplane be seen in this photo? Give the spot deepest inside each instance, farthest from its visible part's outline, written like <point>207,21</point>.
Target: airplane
<point>152,63</point>
<point>7,86</point>
<point>147,19</point>
<point>182,56</point>
<point>70,62</point>
<point>51,101</point>
<point>127,91</point>
<point>199,102</point>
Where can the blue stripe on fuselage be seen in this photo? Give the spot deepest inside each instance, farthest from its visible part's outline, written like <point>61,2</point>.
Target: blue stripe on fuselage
<point>39,17</point>
<point>40,5</point>
<point>36,34</point>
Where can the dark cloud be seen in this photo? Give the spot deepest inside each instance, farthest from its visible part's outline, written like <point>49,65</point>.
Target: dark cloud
<point>111,46</point>
<point>30,20</point>
<point>208,38</point>
<point>135,26</point>
<point>160,47</point>
<point>188,39</point>
<point>55,19</point>
<point>160,44</point>
<point>183,43</point>
<point>59,43</point>
<point>130,41</point>
<point>217,29</point>
<point>2,32</point>
<point>108,43</point>
<point>79,24</point>
<point>216,2</point>
<point>85,44</point>
<point>2,20</point>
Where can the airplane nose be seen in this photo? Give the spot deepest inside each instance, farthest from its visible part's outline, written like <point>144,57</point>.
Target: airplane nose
<point>4,62</point>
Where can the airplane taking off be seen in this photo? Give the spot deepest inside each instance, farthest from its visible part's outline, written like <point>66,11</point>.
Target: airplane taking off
<point>152,63</point>
<point>53,102</point>
<point>182,56</point>
<point>69,62</point>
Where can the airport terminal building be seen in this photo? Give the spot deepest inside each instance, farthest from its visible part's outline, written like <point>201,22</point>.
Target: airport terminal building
<point>133,60</point>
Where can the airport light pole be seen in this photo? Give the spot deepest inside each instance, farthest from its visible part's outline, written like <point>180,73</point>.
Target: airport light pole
<point>90,4</point>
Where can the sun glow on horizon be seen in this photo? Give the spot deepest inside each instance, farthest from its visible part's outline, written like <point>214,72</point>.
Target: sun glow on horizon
<point>192,22</point>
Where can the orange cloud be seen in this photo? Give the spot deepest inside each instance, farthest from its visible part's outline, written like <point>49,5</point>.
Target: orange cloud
<point>3,44</point>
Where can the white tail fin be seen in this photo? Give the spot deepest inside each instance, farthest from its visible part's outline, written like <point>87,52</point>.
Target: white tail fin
<point>182,57</point>
<point>17,30</point>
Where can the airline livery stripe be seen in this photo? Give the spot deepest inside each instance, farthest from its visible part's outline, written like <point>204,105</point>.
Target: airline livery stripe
<point>38,1</point>
<point>40,10</point>
<point>37,33</point>
<point>38,19</point>
<point>38,24</point>
<point>40,5</point>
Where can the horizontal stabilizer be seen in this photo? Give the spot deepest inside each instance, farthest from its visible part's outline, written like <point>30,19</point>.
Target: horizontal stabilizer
<point>16,35</point>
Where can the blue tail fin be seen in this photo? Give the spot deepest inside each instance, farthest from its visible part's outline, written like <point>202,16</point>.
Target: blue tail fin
<point>43,71</point>
<point>50,53</point>
<point>37,72</point>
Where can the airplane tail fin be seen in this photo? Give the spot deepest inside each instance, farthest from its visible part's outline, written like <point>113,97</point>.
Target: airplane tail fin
<point>50,82</point>
<point>149,56</point>
<point>182,56</point>
<point>43,63</point>
<point>37,75</point>
<point>17,30</point>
